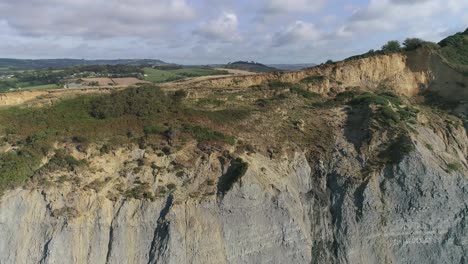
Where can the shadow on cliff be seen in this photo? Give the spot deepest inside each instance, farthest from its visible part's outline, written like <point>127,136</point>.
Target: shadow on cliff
<point>161,233</point>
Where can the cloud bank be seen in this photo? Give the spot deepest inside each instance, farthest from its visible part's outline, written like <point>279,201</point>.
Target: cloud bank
<point>217,31</point>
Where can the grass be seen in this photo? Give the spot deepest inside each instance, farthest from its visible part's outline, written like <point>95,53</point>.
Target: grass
<point>159,76</point>
<point>454,167</point>
<point>41,87</point>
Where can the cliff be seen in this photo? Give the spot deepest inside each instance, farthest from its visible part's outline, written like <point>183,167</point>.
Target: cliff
<point>254,175</point>
<point>295,207</point>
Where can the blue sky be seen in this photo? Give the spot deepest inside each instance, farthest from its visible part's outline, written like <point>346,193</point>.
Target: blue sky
<point>219,31</point>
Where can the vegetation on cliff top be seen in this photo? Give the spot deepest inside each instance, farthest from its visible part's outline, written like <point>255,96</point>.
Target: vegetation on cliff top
<point>455,50</point>
<point>141,115</point>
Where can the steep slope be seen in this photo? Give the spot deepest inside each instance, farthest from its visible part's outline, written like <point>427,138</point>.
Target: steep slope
<point>340,163</point>
<point>296,206</point>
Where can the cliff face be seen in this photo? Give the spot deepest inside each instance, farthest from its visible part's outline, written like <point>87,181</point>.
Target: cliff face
<point>326,182</point>
<point>292,208</point>
<point>404,73</point>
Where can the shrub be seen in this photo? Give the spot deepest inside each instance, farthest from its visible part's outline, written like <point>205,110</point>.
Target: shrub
<point>62,161</point>
<point>303,92</point>
<point>313,79</point>
<point>398,149</point>
<point>141,101</point>
<point>391,46</point>
<point>413,43</point>
<point>453,167</point>
<point>389,115</point>
<point>153,129</point>
<point>179,95</point>
<point>202,134</point>
<point>17,167</point>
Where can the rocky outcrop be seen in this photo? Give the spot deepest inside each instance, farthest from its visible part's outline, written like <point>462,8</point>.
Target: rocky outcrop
<point>294,208</point>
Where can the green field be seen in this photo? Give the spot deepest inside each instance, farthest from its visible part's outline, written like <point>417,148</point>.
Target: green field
<point>13,85</point>
<point>158,76</point>
<point>41,87</point>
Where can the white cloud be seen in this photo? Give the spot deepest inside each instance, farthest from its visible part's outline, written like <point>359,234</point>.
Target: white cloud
<point>224,28</point>
<point>294,6</point>
<point>388,15</point>
<point>93,18</point>
<point>297,32</point>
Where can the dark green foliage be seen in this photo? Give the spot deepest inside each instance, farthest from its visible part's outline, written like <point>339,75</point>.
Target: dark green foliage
<point>303,92</point>
<point>235,173</point>
<point>141,101</point>
<point>17,167</point>
<point>398,149</point>
<point>391,47</point>
<point>313,79</point>
<point>389,115</point>
<point>202,134</point>
<point>140,192</point>
<point>179,96</point>
<point>153,129</point>
<point>413,43</point>
<point>62,161</point>
<point>390,109</point>
<point>250,66</point>
<point>455,50</point>
<point>131,116</point>
<point>454,167</point>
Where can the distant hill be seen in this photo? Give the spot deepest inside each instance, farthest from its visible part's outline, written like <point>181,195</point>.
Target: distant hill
<point>250,66</point>
<point>20,64</point>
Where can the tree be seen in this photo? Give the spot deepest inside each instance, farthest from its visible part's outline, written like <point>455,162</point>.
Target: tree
<point>391,46</point>
<point>329,62</point>
<point>413,43</point>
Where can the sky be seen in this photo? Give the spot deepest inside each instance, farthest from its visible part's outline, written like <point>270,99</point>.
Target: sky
<point>219,31</point>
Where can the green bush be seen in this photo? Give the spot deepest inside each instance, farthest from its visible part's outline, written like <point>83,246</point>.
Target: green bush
<point>141,101</point>
<point>413,43</point>
<point>389,115</point>
<point>202,134</point>
<point>303,92</point>
<point>398,149</point>
<point>62,161</point>
<point>391,47</point>
<point>454,167</point>
<point>17,167</point>
<point>313,79</point>
<point>153,129</point>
